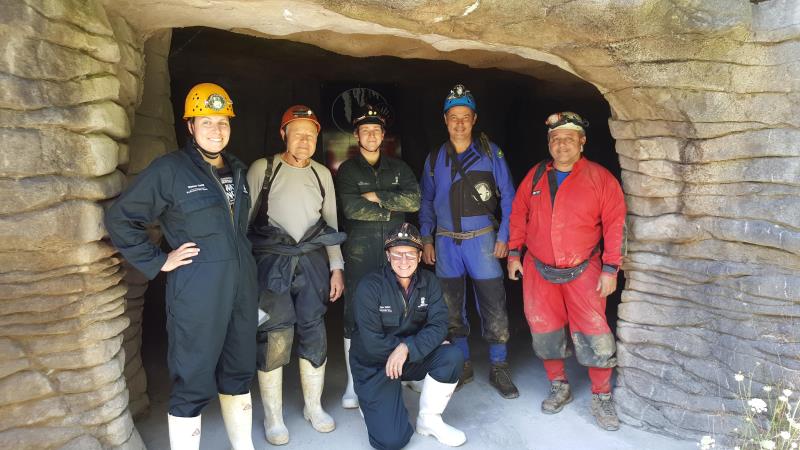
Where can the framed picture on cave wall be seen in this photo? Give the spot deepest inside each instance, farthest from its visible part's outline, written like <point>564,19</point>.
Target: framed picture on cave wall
<point>341,102</point>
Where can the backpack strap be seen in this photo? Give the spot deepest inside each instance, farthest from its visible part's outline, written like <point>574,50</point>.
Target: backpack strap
<point>540,169</point>
<point>262,202</point>
<point>319,182</point>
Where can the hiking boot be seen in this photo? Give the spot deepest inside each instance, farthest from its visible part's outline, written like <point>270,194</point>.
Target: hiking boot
<point>560,395</point>
<point>467,375</point>
<point>500,378</point>
<point>604,412</point>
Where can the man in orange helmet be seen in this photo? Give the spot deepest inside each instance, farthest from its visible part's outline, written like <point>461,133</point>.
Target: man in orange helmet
<point>300,268</point>
<point>200,198</point>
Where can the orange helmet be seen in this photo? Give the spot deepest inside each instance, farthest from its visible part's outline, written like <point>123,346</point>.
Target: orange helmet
<point>207,99</point>
<point>299,112</point>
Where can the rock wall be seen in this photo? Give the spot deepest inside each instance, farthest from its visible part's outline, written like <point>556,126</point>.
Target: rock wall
<point>70,77</point>
<point>152,136</point>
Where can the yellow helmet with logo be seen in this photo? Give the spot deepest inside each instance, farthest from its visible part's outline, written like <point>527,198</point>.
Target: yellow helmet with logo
<point>207,99</point>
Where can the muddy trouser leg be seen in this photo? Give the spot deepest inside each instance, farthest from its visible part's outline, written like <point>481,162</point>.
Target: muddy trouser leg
<point>276,335</point>
<point>200,298</point>
<point>451,273</point>
<point>311,290</point>
<point>594,343</point>
<point>363,253</point>
<point>381,402</point>
<point>490,293</point>
<point>237,364</point>
<point>546,314</point>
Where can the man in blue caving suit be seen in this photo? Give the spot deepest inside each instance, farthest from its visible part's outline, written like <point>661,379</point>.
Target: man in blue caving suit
<point>461,183</point>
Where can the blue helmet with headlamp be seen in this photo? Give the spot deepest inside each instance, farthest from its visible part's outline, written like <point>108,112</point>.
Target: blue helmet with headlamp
<point>460,96</point>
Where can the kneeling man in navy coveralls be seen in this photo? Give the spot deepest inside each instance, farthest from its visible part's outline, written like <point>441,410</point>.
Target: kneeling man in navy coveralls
<point>399,335</point>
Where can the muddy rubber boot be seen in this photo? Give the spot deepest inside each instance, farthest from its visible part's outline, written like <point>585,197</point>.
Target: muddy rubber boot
<point>467,375</point>
<point>312,380</point>
<point>432,402</point>
<point>349,399</point>
<point>604,412</point>
<point>184,432</point>
<point>500,378</point>
<point>271,387</point>
<point>237,414</point>
<point>560,395</point>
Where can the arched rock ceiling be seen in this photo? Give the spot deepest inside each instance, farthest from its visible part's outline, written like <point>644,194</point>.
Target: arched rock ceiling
<point>594,40</point>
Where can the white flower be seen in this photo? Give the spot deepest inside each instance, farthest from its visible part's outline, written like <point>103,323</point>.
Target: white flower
<point>787,392</point>
<point>785,435</point>
<point>783,398</point>
<point>738,377</point>
<point>757,405</point>
<point>767,388</point>
<point>794,444</point>
<point>706,443</point>
<point>767,445</point>
<point>737,448</point>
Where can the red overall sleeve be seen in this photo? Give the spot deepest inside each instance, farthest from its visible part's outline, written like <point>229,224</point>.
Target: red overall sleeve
<point>612,217</point>
<point>518,224</point>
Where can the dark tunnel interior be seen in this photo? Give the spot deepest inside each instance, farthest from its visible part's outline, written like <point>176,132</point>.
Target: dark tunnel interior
<point>265,76</point>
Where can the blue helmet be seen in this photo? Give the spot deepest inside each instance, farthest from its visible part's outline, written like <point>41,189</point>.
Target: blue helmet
<point>460,96</point>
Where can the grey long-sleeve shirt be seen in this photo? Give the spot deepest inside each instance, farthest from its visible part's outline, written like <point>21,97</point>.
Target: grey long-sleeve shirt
<point>295,200</point>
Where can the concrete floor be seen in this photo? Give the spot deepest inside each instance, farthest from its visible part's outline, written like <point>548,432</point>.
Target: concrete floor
<point>489,421</point>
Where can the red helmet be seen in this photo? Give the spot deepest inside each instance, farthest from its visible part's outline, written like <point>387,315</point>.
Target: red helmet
<point>299,112</point>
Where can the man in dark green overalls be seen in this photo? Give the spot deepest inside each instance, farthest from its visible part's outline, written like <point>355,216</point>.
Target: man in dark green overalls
<point>375,192</point>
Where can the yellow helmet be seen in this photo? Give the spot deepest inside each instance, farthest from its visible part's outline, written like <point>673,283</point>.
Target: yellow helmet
<point>207,99</point>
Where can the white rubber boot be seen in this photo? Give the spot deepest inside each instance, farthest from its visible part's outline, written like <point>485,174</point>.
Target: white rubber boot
<point>237,414</point>
<point>184,432</point>
<point>349,399</point>
<point>432,401</point>
<point>312,379</point>
<point>271,387</point>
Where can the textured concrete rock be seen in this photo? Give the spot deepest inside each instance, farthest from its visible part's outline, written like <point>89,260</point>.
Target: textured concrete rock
<point>32,58</point>
<point>30,152</point>
<point>38,438</point>
<point>106,117</point>
<point>23,386</point>
<point>76,381</point>
<point>34,193</point>
<point>24,94</point>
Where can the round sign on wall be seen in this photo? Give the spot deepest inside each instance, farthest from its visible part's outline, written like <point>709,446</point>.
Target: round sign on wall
<point>348,103</point>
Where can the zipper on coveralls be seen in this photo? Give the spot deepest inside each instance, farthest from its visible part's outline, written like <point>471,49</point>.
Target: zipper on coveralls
<point>235,205</point>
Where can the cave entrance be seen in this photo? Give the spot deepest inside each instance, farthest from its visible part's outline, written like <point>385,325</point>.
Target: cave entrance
<point>265,76</point>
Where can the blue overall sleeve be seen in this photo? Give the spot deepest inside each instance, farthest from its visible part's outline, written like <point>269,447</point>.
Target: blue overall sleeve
<point>141,204</point>
<point>377,344</point>
<point>505,184</point>
<point>434,331</point>
<point>427,216</point>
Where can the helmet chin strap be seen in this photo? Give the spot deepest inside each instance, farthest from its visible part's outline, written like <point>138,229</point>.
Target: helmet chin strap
<point>205,153</point>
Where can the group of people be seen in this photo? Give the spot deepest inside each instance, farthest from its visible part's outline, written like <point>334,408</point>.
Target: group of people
<point>257,257</point>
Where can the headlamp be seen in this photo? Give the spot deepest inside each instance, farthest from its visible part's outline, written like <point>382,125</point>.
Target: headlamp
<point>561,119</point>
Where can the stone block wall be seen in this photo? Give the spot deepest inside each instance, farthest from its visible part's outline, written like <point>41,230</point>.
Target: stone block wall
<point>153,135</point>
<point>70,78</point>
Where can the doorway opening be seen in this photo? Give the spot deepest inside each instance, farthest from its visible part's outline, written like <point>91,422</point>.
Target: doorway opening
<point>265,76</point>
